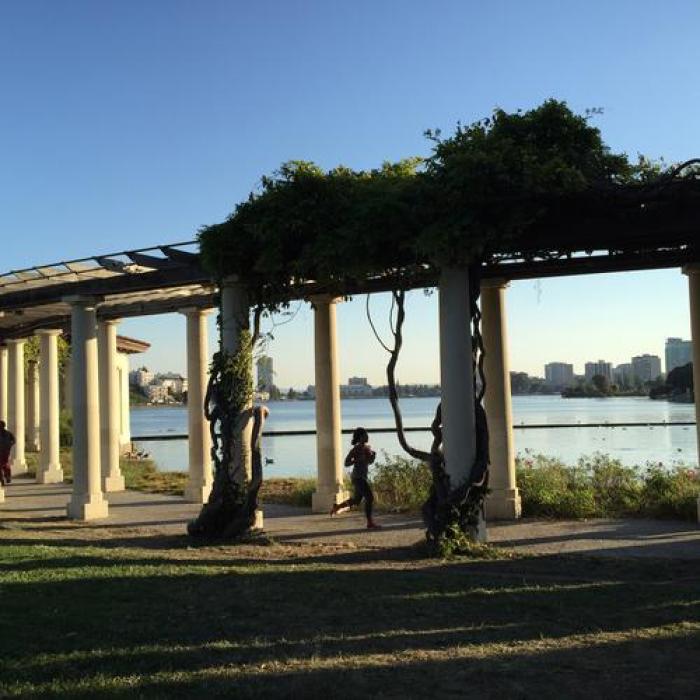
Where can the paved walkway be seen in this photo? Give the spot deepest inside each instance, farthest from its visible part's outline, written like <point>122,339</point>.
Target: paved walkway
<point>137,517</point>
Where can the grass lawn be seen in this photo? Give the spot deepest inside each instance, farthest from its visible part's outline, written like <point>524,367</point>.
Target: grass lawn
<point>157,617</point>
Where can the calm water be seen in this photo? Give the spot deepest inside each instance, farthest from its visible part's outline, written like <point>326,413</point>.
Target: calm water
<point>296,456</point>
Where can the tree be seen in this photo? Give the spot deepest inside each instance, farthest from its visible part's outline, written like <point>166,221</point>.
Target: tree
<point>601,383</point>
<point>680,379</point>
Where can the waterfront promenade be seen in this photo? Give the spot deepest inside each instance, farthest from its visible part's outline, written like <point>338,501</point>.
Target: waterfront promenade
<point>33,512</point>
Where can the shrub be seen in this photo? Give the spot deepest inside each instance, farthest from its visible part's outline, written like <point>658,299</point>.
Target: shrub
<point>400,483</point>
<point>670,493</point>
<point>600,486</point>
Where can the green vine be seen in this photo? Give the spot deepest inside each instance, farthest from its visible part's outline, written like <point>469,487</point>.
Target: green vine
<point>482,188</point>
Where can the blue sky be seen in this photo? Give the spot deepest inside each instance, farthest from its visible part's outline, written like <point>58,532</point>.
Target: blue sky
<point>126,124</point>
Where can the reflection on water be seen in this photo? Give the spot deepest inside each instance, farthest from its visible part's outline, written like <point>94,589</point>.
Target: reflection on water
<point>296,456</point>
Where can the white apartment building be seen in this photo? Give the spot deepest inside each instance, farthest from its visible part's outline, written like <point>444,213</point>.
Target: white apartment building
<point>646,368</point>
<point>560,374</point>
<point>678,353</point>
<point>601,367</point>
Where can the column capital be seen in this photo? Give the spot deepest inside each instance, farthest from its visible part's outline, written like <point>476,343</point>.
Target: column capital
<point>109,321</point>
<point>193,310</point>
<point>691,269</point>
<point>82,300</point>
<point>495,283</point>
<point>230,281</point>
<point>15,341</point>
<point>49,331</point>
<point>324,299</point>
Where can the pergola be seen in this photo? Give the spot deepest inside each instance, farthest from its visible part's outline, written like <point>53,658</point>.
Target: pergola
<point>623,229</point>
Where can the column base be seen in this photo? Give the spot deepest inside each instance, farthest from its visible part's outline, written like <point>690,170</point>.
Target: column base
<point>323,500</point>
<point>113,483</point>
<point>197,493</point>
<point>33,447</point>
<point>259,520</point>
<point>503,504</point>
<point>93,508</point>
<point>53,474</point>
<point>482,535</point>
<point>19,468</point>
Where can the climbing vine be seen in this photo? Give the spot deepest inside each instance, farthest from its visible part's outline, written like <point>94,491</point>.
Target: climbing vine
<point>230,510</point>
<point>481,190</point>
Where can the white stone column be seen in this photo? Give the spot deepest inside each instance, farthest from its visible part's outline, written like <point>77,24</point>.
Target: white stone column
<point>457,377</point>
<point>33,414</point>
<point>329,456</point>
<point>693,272</point>
<point>200,465</point>
<point>50,471</point>
<point>235,318</point>
<point>125,408</point>
<point>87,502</point>
<point>112,479</point>
<point>15,401</point>
<point>503,501</point>
<point>3,382</point>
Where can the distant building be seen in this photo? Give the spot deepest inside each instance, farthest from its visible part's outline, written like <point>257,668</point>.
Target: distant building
<point>266,374</point>
<point>157,393</point>
<point>622,374</point>
<point>357,387</point>
<point>646,368</point>
<point>559,374</point>
<point>679,352</point>
<point>174,383</point>
<point>140,377</point>
<point>601,367</point>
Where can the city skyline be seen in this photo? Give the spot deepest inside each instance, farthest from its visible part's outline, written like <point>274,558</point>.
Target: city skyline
<point>95,159</point>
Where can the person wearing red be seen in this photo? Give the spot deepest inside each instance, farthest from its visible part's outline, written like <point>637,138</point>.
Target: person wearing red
<point>359,458</point>
<point>7,440</point>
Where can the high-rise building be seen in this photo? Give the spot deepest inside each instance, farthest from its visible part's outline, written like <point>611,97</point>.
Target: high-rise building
<point>679,352</point>
<point>622,374</point>
<point>266,375</point>
<point>559,374</point>
<point>600,367</point>
<point>646,368</point>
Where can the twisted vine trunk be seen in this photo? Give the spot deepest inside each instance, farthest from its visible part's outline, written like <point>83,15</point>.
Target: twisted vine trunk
<point>236,434</point>
<point>451,509</point>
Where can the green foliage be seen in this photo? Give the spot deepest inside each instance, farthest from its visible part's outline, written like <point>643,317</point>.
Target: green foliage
<point>65,429</point>
<point>400,483</point>
<point>599,486</point>
<point>486,184</point>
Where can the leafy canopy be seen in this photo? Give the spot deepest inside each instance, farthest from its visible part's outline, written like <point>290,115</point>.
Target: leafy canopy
<point>482,189</point>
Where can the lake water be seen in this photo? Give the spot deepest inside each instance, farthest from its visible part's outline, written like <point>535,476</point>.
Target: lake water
<point>296,456</point>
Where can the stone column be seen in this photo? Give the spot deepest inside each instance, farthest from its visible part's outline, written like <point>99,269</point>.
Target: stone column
<point>15,401</point>
<point>3,382</point>
<point>693,272</point>
<point>50,471</point>
<point>87,502</point>
<point>503,501</point>
<point>33,416</point>
<point>329,457</point>
<point>235,318</point>
<point>112,479</point>
<point>457,377</point>
<point>124,410</point>
<point>200,465</point>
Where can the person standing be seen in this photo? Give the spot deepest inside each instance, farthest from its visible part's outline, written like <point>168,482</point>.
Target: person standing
<point>7,440</point>
<point>359,458</point>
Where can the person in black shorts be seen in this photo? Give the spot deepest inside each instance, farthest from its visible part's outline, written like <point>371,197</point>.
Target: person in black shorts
<point>359,458</point>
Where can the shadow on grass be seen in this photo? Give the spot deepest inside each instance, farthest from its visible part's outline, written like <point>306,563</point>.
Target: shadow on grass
<point>282,629</point>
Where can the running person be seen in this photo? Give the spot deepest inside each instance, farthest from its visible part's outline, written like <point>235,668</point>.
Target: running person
<point>359,458</point>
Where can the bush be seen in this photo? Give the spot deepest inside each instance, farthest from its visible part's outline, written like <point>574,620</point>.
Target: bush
<point>65,429</point>
<point>400,483</point>
<point>670,494</point>
<point>599,486</point>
